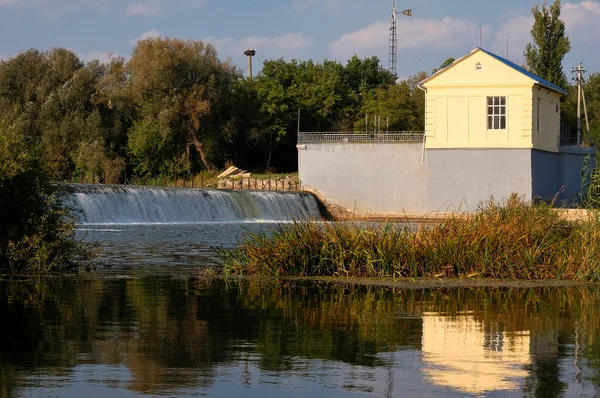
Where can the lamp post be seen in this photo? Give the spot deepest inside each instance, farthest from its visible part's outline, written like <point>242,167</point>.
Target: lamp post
<point>250,53</point>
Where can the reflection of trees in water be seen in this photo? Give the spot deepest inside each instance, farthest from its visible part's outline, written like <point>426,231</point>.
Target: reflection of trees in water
<point>172,333</point>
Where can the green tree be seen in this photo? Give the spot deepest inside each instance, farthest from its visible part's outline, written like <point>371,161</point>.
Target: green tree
<point>279,106</point>
<point>395,105</point>
<point>545,55</point>
<point>444,64</point>
<point>186,88</point>
<point>592,96</point>
<point>37,229</point>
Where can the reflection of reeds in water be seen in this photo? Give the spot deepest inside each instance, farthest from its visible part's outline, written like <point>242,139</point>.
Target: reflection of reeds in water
<point>514,240</point>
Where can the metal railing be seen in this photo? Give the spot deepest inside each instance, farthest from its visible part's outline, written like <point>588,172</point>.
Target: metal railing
<point>391,137</point>
<point>568,136</point>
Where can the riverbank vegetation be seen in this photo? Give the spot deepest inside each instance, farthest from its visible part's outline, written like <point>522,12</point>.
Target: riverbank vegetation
<point>36,229</point>
<point>513,240</point>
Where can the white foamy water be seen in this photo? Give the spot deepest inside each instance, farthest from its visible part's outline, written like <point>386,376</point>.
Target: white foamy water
<point>115,205</point>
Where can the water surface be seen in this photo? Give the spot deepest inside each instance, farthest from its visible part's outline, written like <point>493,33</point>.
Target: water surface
<point>143,322</point>
<point>117,336</point>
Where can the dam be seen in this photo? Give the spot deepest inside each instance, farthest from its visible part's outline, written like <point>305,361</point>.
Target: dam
<point>115,204</point>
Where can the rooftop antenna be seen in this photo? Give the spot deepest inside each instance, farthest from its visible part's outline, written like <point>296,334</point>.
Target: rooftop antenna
<point>480,36</point>
<point>394,39</point>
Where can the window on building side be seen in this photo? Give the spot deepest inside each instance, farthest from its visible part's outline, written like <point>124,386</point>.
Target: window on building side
<point>496,113</point>
<point>539,101</point>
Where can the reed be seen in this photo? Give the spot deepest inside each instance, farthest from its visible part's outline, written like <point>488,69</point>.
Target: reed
<point>512,240</point>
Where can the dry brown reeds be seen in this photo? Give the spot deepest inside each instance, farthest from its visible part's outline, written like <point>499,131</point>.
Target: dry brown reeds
<point>512,240</point>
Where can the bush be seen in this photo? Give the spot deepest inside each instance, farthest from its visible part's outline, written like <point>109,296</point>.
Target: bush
<point>36,229</point>
<point>515,240</point>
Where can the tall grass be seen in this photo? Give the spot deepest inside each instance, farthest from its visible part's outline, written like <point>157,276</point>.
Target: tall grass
<point>513,240</point>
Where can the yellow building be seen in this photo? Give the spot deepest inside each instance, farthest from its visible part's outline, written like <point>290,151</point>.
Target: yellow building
<point>485,101</point>
<point>492,129</point>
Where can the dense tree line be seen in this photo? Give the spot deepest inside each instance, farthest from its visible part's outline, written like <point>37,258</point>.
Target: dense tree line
<point>175,108</point>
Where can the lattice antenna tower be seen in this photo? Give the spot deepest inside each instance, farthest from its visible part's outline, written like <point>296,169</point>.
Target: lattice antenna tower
<point>393,42</point>
<point>394,38</point>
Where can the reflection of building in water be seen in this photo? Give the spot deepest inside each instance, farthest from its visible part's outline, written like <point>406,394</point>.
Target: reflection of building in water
<point>460,354</point>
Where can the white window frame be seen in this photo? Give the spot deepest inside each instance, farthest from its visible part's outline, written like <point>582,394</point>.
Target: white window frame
<point>496,113</point>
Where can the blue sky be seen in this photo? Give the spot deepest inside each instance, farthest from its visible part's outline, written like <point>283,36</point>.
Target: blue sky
<point>302,29</point>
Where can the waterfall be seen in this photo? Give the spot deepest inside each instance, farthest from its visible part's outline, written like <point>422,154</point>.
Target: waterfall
<point>112,204</point>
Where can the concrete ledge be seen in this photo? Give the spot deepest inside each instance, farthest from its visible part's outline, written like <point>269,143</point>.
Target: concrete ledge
<point>577,150</point>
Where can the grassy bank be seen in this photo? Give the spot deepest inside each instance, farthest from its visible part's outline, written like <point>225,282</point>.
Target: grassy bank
<point>513,240</point>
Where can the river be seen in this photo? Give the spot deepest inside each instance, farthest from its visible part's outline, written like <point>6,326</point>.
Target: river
<point>144,322</point>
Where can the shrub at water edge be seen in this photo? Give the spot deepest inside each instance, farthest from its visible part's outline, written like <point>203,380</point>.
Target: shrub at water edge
<point>515,240</point>
<point>36,229</point>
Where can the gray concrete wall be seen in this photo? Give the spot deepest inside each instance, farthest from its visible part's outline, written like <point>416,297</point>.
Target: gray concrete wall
<point>461,179</point>
<point>391,179</point>
<point>570,164</point>
<point>366,178</point>
<point>544,174</point>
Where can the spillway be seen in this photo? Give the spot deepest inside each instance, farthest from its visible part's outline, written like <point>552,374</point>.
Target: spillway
<point>116,204</point>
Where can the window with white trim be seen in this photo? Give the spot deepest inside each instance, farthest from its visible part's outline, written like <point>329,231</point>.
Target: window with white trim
<point>496,113</point>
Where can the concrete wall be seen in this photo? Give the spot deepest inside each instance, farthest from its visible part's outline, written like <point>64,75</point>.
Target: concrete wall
<point>460,179</point>
<point>366,178</point>
<point>392,179</point>
<point>570,164</point>
<point>544,174</point>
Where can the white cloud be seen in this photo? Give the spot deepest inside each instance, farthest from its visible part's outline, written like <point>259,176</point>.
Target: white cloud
<point>516,32</point>
<point>146,35</point>
<point>583,12</point>
<point>267,46</point>
<point>422,34</point>
<point>147,9</point>
<point>103,57</point>
<point>581,21</point>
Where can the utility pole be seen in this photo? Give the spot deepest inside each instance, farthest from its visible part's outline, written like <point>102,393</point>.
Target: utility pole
<point>250,54</point>
<point>579,71</point>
